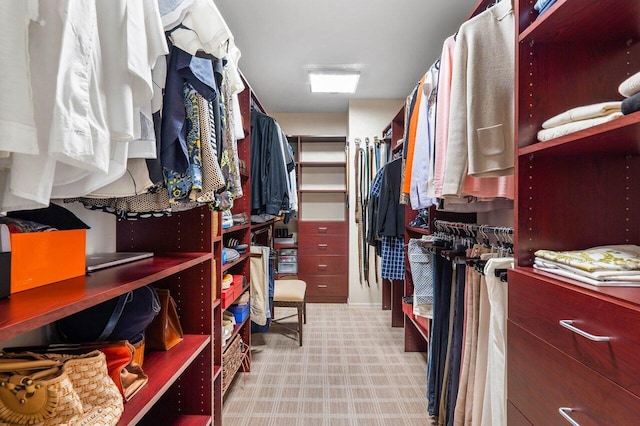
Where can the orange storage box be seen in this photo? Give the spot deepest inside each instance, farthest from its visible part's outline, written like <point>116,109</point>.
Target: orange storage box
<point>40,258</point>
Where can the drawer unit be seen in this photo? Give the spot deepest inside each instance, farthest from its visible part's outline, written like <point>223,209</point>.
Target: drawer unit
<point>542,380</point>
<point>329,288</point>
<point>611,344</point>
<point>323,260</point>
<point>515,417</point>
<point>323,245</point>
<point>325,265</point>
<point>323,228</point>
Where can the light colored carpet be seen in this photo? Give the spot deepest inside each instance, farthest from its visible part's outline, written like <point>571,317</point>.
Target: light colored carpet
<point>351,370</point>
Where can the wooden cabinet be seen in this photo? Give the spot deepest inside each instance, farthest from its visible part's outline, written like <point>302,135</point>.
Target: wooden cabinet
<point>543,380</point>
<point>323,229</point>
<point>197,294</point>
<point>574,192</point>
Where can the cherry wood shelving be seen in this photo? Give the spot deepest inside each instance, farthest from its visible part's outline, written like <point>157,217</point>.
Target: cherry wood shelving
<point>574,192</point>
<point>322,217</point>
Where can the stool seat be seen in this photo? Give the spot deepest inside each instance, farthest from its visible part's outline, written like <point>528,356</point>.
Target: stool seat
<point>290,293</point>
<point>289,290</point>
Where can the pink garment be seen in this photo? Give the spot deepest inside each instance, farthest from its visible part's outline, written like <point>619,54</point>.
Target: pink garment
<point>442,115</point>
<point>489,187</point>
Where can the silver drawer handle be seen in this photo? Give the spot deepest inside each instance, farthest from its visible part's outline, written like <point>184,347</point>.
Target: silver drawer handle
<point>569,325</point>
<point>564,412</point>
<point>322,286</point>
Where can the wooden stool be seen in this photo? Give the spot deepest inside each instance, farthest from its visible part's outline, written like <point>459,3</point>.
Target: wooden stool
<point>291,294</point>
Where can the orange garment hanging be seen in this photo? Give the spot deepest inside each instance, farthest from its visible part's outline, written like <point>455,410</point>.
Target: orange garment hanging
<point>410,140</point>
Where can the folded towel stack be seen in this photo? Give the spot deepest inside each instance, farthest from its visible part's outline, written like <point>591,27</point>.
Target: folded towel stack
<point>579,118</point>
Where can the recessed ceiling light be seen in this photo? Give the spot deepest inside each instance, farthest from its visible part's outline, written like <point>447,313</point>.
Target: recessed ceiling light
<point>327,81</point>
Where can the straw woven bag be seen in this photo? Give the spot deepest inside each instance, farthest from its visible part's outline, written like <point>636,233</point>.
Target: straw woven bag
<point>55,389</point>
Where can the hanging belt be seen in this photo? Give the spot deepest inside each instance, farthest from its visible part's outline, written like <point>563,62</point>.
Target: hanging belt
<point>357,166</point>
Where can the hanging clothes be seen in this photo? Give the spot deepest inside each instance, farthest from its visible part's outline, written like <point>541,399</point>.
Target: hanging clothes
<point>481,137</point>
<point>390,225</point>
<point>423,155</point>
<point>417,103</point>
<point>269,177</point>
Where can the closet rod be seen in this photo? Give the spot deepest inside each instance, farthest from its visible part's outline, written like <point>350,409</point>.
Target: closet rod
<point>474,227</point>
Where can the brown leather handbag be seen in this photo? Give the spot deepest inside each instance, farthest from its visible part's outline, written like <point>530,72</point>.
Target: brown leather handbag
<point>165,330</point>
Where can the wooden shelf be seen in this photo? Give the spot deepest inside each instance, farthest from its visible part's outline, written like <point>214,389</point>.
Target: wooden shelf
<point>323,191</point>
<point>192,421</point>
<point>235,228</point>
<point>236,330</point>
<point>615,138</point>
<point>255,226</point>
<point>422,231</point>
<point>31,309</point>
<point>570,21</point>
<point>163,369</point>
<point>323,163</point>
<point>423,331</point>
<point>242,258</point>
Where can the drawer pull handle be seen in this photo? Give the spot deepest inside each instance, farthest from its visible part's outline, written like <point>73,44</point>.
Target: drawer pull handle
<point>568,324</point>
<point>322,246</point>
<point>564,412</point>
<point>322,286</point>
<point>322,267</point>
<point>322,229</point>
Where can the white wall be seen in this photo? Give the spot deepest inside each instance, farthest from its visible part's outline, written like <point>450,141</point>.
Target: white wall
<point>102,235</point>
<point>367,118</point>
<point>312,124</point>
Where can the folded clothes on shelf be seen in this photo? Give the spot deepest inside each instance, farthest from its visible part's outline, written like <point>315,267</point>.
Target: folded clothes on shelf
<point>240,218</point>
<point>227,219</point>
<point>229,255</point>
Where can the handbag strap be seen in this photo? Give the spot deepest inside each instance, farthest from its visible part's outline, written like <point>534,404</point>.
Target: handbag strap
<point>115,316</point>
<point>17,364</point>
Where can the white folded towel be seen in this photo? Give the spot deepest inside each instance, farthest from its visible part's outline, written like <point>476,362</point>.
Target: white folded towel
<point>565,129</point>
<point>582,113</point>
<point>630,86</point>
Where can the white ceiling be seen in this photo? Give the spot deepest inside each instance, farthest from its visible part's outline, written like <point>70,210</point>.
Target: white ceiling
<point>392,42</point>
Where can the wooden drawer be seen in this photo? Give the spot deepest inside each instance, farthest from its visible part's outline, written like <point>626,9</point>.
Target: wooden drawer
<point>318,245</point>
<point>538,304</point>
<point>323,265</point>
<point>515,417</point>
<point>326,285</point>
<point>541,380</point>
<point>322,228</point>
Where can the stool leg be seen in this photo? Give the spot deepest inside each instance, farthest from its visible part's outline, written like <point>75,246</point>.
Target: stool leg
<point>300,324</point>
<point>304,309</point>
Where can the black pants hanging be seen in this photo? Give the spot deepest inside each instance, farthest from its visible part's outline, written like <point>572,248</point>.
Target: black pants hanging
<point>455,354</point>
<point>443,274</point>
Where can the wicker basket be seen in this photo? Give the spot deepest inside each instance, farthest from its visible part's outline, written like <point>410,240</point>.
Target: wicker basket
<point>231,361</point>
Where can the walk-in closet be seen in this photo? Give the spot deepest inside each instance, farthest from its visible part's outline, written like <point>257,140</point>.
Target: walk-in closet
<point>359,213</point>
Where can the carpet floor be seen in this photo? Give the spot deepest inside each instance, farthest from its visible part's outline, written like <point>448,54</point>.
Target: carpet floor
<point>351,370</point>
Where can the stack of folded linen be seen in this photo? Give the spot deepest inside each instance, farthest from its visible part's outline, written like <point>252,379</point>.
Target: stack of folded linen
<point>579,118</point>
<point>614,265</point>
<point>630,89</point>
